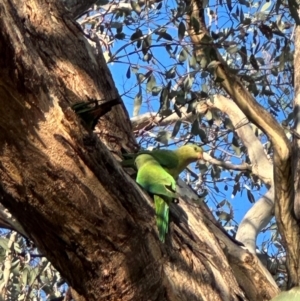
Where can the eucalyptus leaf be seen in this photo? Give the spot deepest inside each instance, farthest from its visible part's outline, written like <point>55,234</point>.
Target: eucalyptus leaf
<point>137,104</point>
<point>151,83</point>
<point>232,49</point>
<point>171,73</point>
<point>181,30</point>
<point>203,168</point>
<point>266,6</point>
<point>164,99</point>
<point>228,124</point>
<point>165,35</point>
<point>163,137</point>
<point>138,34</point>
<point>176,128</point>
<point>183,55</point>
<point>195,128</point>
<point>128,73</point>
<point>193,62</point>
<point>177,111</point>
<point>222,215</point>
<point>250,197</point>
<point>135,6</point>
<point>229,4</point>
<point>156,90</point>
<point>235,146</point>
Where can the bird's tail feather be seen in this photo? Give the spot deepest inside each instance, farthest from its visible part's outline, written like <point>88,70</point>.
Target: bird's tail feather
<point>162,217</point>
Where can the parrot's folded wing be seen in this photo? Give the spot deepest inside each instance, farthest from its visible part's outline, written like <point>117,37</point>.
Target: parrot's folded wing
<point>163,189</point>
<point>166,158</point>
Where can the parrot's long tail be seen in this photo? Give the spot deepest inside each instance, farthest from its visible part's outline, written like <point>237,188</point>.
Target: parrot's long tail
<point>162,217</point>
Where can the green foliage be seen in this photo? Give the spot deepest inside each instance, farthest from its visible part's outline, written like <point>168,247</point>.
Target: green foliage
<point>24,274</point>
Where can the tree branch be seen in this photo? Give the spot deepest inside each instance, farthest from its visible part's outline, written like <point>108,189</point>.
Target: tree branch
<point>236,255</point>
<point>255,220</point>
<point>226,165</point>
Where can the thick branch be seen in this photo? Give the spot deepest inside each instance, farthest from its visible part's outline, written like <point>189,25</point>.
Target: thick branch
<point>147,119</point>
<point>288,211</point>
<point>246,266</point>
<point>260,214</point>
<point>255,220</point>
<point>260,164</point>
<point>226,165</point>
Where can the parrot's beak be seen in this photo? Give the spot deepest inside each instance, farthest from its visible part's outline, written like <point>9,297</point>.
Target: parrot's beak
<point>200,156</point>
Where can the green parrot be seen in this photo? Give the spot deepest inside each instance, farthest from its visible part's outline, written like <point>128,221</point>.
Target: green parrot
<point>154,179</point>
<point>173,161</point>
<point>91,111</point>
<point>158,171</point>
<point>291,295</point>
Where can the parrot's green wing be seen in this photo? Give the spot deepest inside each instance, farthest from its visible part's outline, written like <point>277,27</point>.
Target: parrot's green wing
<point>153,178</point>
<point>162,215</point>
<point>166,158</point>
<point>291,295</point>
<point>174,161</point>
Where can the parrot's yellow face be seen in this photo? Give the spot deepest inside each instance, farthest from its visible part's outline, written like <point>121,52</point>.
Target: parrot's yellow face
<point>191,151</point>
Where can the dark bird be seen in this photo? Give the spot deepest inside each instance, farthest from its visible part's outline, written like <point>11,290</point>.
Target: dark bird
<point>91,111</point>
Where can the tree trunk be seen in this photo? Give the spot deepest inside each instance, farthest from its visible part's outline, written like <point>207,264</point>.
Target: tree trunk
<point>70,194</point>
